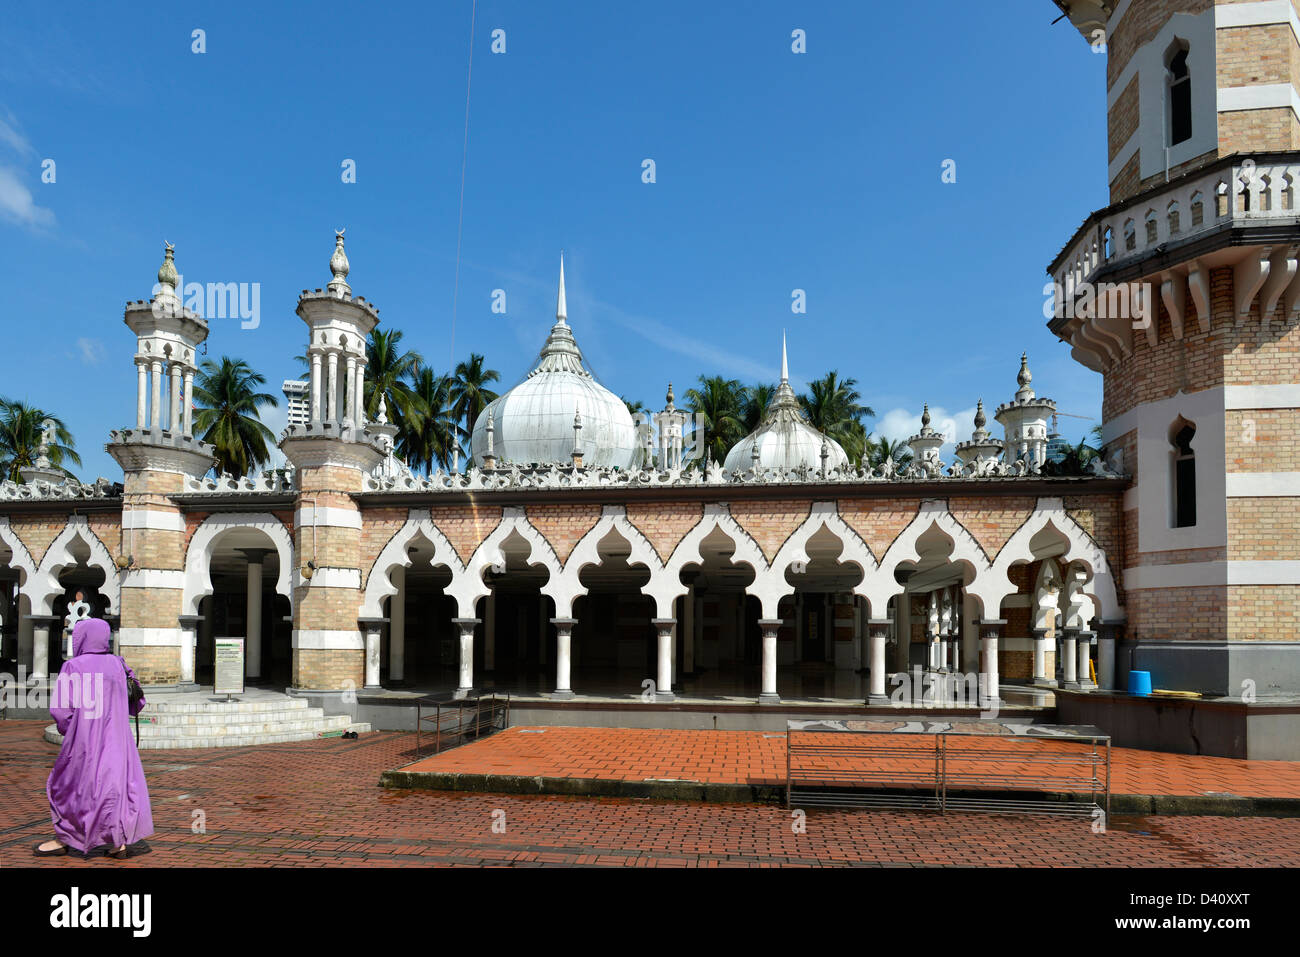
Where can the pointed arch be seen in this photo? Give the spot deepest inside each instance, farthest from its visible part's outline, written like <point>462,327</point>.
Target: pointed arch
<point>468,587</point>
<point>22,558</point>
<point>716,516</point>
<point>379,585</point>
<point>59,556</point>
<point>613,518</point>
<point>198,556</point>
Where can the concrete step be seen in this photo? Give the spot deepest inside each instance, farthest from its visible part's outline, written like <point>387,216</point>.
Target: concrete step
<point>190,706</point>
<point>149,743</point>
<point>228,718</point>
<point>319,723</point>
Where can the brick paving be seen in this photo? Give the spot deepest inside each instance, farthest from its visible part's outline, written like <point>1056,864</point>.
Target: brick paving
<point>317,803</point>
<point>757,757</point>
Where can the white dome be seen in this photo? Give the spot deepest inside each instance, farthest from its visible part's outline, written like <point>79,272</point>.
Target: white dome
<point>785,439</point>
<point>533,422</point>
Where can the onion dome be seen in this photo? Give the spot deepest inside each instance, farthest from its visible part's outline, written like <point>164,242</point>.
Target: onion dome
<point>533,423</point>
<point>785,439</point>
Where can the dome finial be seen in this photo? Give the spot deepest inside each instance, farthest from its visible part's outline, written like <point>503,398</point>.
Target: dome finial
<point>785,365</point>
<point>925,417</point>
<point>980,419</point>
<point>561,307</point>
<point>1023,378</point>
<point>167,277</point>
<point>339,266</point>
<point>670,397</point>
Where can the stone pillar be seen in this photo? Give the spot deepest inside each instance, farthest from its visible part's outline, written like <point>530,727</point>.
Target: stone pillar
<point>664,678</point>
<point>42,627</point>
<point>397,627</point>
<point>188,414</point>
<point>155,416</point>
<point>359,416</point>
<point>563,650</point>
<point>490,631</point>
<point>373,629</point>
<point>350,391</point>
<point>1041,679</point>
<point>142,395</point>
<point>466,626</point>
<point>174,416</point>
<point>332,389</point>
<point>253,623</point>
<point>768,693</point>
<point>1106,654</point>
<point>990,631</point>
<point>316,388</point>
<point>877,634</point>
<point>1069,658</point>
<point>188,649</point>
<point>1084,677</point>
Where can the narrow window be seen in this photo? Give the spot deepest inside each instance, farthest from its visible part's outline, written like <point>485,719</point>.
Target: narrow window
<point>1184,463</point>
<point>1180,98</point>
<point>1198,208</point>
<point>1153,230</point>
<point>1130,236</point>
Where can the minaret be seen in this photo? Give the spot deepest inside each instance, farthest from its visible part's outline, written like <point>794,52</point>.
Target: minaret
<point>1025,420</point>
<point>159,456</point>
<point>332,455</point>
<point>925,444</point>
<point>982,449</point>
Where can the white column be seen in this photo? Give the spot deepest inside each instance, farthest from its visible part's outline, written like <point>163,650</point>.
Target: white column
<point>397,627</point>
<point>253,624</point>
<point>1106,656</point>
<point>490,632</point>
<point>466,626</point>
<point>877,633</point>
<point>768,694</point>
<point>41,647</point>
<point>1084,645</point>
<point>155,414</point>
<point>189,639</point>
<point>174,417</point>
<point>664,680</point>
<point>188,413</point>
<point>990,629</point>
<point>563,652</point>
<point>315,387</point>
<point>359,416</point>
<point>1069,658</point>
<point>373,654</point>
<point>350,391</point>
<point>332,389</point>
<point>142,395</point>
<point>1041,677</point>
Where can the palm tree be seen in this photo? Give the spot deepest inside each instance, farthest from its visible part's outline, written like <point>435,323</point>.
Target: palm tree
<point>387,370</point>
<point>429,436</point>
<point>755,404</point>
<point>469,393</point>
<point>719,400</point>
<point>21,429</point>
<point>227,415</point>
<point>834,408</point>
<point>881,450</point>
<point>636,407</point>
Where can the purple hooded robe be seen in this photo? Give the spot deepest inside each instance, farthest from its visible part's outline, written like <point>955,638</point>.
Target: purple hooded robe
<point>97,790</point>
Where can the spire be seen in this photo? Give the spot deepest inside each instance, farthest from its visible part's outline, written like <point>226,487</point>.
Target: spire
<point>167,276</point>
<point>785,365</point>
<point>980,419</point>
<point>561,307</point>
<point>339,266</point>
<point>1023,378</point>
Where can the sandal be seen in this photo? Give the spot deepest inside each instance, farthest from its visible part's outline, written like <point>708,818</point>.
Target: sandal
<point>52,852</point>
<point>121,854</point>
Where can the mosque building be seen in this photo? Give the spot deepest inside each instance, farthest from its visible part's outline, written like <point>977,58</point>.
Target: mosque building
<point>585,555</point>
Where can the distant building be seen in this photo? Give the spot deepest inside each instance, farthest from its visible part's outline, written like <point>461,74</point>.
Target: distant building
<point>298,394</point>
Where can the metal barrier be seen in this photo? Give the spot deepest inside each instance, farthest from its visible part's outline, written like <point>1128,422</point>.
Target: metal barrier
<point>943,766</point>
<point>458,719</point>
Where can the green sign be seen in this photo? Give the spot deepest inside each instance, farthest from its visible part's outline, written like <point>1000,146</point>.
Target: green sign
<point>228,666</point>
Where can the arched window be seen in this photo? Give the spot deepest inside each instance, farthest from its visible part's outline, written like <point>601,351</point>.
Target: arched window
<point>1108,243</point>
<point>1184,474</point>
<point>1180,95</point>
<point>1172,215</point>
<point>1153,230</point>
<point>1130,236</point>
<point>1198,208</point>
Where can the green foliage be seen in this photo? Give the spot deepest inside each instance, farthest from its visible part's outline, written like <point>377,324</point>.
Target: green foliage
<point>227,415</point>
<point>21,428</point>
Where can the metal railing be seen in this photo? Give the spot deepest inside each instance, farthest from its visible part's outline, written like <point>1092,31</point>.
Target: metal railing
<point>456,720</point>
<point>948,770</point>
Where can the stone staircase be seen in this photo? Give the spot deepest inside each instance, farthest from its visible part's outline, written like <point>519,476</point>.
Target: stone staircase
<point>201,721</point>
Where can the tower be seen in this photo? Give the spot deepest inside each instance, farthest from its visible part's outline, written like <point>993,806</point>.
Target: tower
<point>331,455</point>
<point>1183,293</point>
<point>157,457</point>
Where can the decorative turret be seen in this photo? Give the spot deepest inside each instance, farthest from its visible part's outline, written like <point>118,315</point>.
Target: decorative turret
<point>982,449</point>
<point>1025,420</point>
<point>671,423</point>
<point>925,444</point>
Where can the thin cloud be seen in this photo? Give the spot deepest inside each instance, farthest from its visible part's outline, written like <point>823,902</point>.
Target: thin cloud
<point>11,137</point>
<point>17,204</point>
<point>900,424</point>
<point>92,350</point>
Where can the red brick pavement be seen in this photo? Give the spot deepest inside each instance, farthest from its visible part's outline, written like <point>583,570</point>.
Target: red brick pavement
<point>317,803</point>
<point>755,757</point>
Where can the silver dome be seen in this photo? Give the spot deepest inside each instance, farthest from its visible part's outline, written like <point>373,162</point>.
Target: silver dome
<point>785,439</point>
<point>533,423</point>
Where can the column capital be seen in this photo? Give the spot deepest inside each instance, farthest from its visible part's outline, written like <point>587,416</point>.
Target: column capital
<point>372,624</point>
<point>256,556</point>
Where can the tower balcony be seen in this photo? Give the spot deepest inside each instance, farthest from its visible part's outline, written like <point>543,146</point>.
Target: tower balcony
<point>1239,212</point>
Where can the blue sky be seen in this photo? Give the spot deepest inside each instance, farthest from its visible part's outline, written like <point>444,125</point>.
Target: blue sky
<point>775,171</point>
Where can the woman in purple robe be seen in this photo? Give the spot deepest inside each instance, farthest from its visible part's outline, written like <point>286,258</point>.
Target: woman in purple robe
<point>97,791</point>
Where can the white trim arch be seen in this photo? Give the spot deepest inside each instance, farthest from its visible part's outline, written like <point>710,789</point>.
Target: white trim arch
<point>198,557</point>
<point>613,518</point>
<point>853,551</point>
<point>880,585</point>
<point>22,558</point>
<point>379,585</point>
<point>716,516</point>
<point>1082,549</point>
<point>468,587</point>
<point>58,556</point>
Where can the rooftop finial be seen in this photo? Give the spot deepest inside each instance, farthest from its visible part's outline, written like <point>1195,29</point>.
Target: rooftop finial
<point>925,417</point>
<point>167,277</point>
<point>980,419</point>
<point>339,266</point>
<point>785,365</point>
<point>670,397</point>
<point>561,307</point>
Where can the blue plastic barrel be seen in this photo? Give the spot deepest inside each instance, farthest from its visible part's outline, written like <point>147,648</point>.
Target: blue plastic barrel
<point>1139,682</point>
